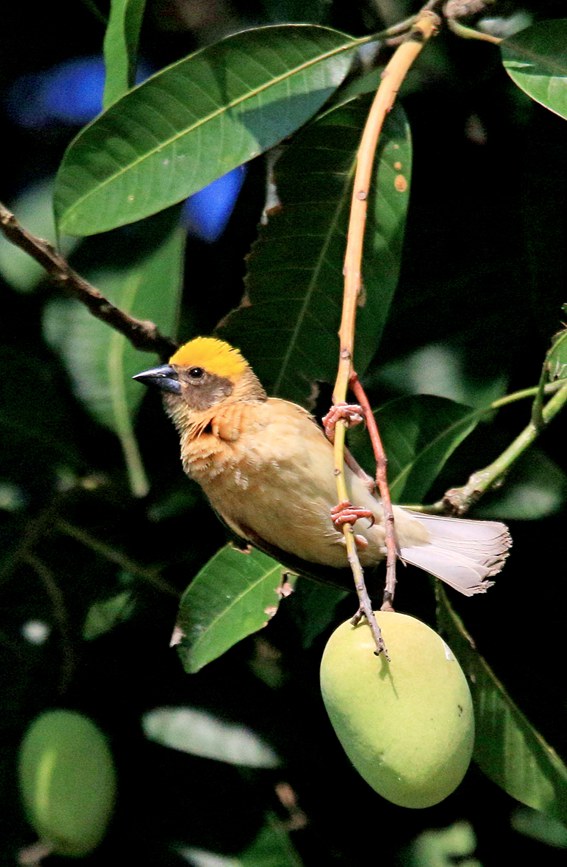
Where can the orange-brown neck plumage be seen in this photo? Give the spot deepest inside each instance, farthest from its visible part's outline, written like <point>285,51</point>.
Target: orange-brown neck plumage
<point>214,379</point>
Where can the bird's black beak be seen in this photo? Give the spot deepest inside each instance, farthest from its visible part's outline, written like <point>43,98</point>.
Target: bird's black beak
<point>163,376</point>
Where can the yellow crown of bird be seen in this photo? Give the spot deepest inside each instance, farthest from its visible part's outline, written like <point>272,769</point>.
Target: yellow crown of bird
<point>213,355</point>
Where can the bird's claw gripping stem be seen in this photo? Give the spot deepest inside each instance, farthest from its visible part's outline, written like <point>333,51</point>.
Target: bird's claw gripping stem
<point>346,513</point>
<point>351,413</point>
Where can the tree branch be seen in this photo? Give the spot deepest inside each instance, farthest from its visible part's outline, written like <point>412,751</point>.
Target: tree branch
<point>425,26</point>
<point>142,334</point>
<point>459,500</point>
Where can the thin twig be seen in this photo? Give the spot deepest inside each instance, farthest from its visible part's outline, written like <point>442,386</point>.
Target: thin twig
<point>61,618</point>
<point>392,78</point>
<point>392,547</point>
<point>441,507</point>
<point>470,33</point>
<point>364,602</point>
<point>142,334</point>
<point>151,575</point>
<point>459,500</point>
<point>35,528</point>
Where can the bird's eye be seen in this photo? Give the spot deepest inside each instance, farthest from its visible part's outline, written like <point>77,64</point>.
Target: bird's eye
<point>196,372</point>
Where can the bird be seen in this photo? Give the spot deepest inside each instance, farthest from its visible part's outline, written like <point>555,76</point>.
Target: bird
<point>267,469</point>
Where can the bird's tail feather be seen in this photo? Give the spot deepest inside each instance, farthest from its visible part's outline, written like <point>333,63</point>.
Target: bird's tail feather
<point>463,553</point>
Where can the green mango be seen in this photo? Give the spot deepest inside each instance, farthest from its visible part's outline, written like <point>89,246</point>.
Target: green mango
<point>407,723</point>
<point>67,781</point>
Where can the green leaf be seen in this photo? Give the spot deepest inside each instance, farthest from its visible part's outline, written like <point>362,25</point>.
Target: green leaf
<point>271,847</point>
<point>202,734</point>
<point>540,827</point>
<point>439,369</point>
<point>100,364</point>
<point>556,361</point>
<point>235,594</point>
<point>196,120</point>
<point>288,325</point>
<point>535,488</point>
<point>313,608</point>
<point>105,614</point>
<point>419,433</point>
<point>536,60</point>
<point>121,47</point>
<point>507,747</point>
<point>33,208</point>
<point>444,847</point>
<point>100,361</point>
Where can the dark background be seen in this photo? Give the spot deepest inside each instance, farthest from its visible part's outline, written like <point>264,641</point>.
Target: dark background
<point>484,270</point>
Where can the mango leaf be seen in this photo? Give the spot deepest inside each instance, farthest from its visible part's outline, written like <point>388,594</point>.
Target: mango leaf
<point>271,847</point>
<point>288,323</point>
<point>556,361</point>
<point>535,487</point>
<point>195,121</point>
<point>100,361</point>
<point>540,827</point>
<point>105,614</point>
<point>121,47</point>
<point>536,60</point>
<point>419,433</point>
<point>202,734</point>
<point>507,747</point>
<point>235,594</point>
<point>439,369</point>
<point>34,209</point>
<point>313,608</point>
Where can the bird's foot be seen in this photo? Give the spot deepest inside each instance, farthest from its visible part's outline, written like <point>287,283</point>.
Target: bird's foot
<point>346,513</point>
<point>352,413</point>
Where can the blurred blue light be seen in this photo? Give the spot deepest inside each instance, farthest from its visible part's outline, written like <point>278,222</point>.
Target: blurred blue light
<point>72,93</point>
<point>69,93</point>
<point>206,213</point>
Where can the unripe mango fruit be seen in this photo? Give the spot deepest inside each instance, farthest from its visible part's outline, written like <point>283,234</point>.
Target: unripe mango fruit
<point>67,781</point>
<point>407,724</point>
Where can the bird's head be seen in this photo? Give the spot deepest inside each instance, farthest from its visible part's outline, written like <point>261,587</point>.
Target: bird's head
<point>202,374</point>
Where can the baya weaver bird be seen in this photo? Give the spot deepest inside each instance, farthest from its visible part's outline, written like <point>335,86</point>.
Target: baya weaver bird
<point>267,468</point>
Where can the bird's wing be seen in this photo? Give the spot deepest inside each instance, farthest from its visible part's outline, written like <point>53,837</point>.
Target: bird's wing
<point>341,578</point>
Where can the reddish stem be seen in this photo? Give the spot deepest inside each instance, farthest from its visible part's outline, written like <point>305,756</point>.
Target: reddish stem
<point>392,548</point>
